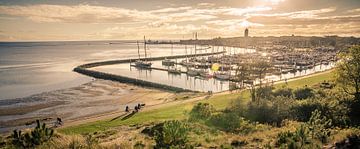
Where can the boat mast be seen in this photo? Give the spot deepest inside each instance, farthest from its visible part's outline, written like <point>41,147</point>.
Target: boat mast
<point>137,42</point>
<point>145,47</point>
<point>186,55</point>
<point>171,48</point>
<point>195,42</point>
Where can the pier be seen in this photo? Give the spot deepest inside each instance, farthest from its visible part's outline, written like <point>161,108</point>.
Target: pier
<point>83,69</point>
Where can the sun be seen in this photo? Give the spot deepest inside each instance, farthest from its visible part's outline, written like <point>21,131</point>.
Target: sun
<point>274,1</point>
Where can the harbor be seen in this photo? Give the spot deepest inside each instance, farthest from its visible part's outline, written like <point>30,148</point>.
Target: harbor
<point>221,69</point>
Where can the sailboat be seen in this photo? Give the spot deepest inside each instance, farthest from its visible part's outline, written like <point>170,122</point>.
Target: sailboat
<point>168,62</point>
<point>142,63</point>
<point>205,73</point>
<point>225,73</point>
<point>174,70</point>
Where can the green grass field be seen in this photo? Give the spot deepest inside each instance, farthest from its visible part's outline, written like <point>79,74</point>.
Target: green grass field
<point>180,111</point>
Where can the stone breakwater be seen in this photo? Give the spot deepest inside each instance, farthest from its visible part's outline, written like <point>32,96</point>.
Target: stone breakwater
<point>83,69</point>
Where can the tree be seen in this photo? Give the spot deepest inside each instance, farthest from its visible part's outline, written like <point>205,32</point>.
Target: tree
<point>348,77</point>
<point>260,68</point>
<point>348,71</point>
<point>242,73</point>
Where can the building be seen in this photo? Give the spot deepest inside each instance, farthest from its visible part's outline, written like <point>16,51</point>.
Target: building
<point>246,33</point>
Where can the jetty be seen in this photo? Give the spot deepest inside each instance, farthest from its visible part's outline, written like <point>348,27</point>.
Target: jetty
<point>84,69</point>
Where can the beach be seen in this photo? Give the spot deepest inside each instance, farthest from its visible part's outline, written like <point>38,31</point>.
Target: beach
<point>93,100</point>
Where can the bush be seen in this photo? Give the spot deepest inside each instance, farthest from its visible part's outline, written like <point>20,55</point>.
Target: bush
<point>173,135</point>
<point>37,136</point>
<point>270,111</point>
<point>201,111</point>
<point>302,110</point>
<point>295,140</point>
<point>304,93</point>
<point>285,92</point>
<point>264,92</point>
<point>334,109</point>
<point>319,126</point>
<point>225,121</point>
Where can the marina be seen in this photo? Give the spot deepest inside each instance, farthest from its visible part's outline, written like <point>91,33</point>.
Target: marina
<point>214,71</point>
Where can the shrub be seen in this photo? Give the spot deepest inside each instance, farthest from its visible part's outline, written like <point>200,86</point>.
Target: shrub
<point>201,111</point>
<point>91,141</point>
<point>303,93</point>
<point>319,126</point>
<point>225,121</point>
<point>334,109</point>
<point>270,111</point>
<point>37,136</point>
<point>302,110</point>
<point>295,140</point>
<point>173,135</point>
<point>286,92</point>
<point>264,92</point>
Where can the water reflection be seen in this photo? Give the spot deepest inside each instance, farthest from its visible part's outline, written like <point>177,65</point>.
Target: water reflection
<point>198,83</point>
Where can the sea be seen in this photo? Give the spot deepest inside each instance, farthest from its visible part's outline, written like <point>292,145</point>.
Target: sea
<point>28,68</point>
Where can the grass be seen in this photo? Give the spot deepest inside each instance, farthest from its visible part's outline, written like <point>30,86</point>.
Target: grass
<point>180,111</point>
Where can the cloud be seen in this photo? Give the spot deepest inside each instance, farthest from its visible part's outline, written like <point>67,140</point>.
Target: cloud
<point>297,14</point>
<point>208,19</point>
<point>75,14</point>
<point>206,4</point>
<point>167,10</point>
<point>234,22</point>
<point>85,13</point>
<point>354,10</point>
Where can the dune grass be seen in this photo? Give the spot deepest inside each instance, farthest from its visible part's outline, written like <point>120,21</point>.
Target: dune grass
<point>180,111</point>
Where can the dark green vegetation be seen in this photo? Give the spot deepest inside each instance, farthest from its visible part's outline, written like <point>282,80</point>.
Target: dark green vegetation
<point>39,135</point>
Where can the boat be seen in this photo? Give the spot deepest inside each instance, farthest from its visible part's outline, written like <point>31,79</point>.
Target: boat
<point>174,70</point>
<point>192,72</point>
<point>205,74</point>
<point>186,63</point>
<point>168,62</point>
<point>222,75</point>
<point>142,63</point>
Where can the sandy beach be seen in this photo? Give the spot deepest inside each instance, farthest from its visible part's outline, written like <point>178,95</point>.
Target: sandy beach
<point>94,100</point>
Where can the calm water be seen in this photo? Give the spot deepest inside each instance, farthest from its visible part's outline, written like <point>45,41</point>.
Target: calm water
<point>35,67</point>
<point>190,82</point>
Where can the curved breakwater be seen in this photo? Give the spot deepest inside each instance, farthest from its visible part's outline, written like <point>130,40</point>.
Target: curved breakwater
<point>83,69</point>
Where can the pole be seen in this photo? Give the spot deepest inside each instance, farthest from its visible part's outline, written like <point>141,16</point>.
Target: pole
<point>145,47</point>
<point>137,42</point>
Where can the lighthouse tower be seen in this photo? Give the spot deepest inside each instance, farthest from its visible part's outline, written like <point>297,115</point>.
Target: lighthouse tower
<point>246,33</point>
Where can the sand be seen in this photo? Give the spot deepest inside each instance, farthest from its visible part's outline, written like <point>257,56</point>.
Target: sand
<point>88,102</point>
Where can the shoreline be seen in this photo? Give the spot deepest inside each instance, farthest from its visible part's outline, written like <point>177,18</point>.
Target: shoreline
<point>195,99</point>
<point>93,99</point>
<point>149,92</point>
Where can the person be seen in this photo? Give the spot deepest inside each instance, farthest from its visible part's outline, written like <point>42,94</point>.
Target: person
<point>58,122</point>
<point>136,108</point>
<point>127,109</point>
<point>139,106</point>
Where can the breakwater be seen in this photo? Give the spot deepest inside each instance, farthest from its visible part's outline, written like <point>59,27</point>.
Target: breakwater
<point>83,69</point>
<point>112,62</point>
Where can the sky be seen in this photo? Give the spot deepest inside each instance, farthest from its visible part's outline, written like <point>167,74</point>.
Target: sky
<point>45,20</point>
